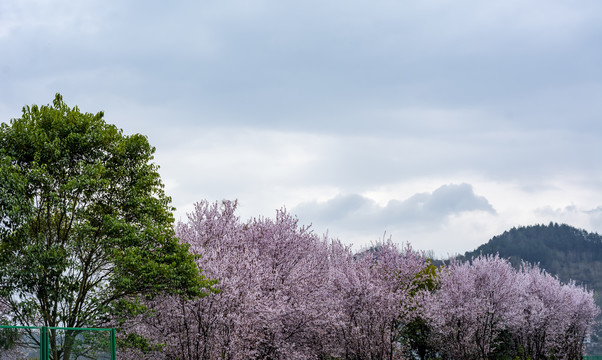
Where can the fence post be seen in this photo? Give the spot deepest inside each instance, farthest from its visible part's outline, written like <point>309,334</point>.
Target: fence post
<point>44,343</point>
<point>113,345</point>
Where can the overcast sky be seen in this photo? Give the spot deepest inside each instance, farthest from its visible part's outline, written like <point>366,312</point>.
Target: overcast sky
<point>440,122</point>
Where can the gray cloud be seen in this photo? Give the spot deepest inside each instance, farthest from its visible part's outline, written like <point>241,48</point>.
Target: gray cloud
<point>554,213</point>
<point>278,102</point>
<point>595,218</point>
<point>339,67</point>
<point>423,209</point>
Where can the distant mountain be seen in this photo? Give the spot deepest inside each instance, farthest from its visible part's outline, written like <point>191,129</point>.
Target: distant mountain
<point>562,250</point>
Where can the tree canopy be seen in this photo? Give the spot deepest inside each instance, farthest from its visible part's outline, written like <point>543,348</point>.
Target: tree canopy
<point>287,293</point>
<point>84,221</point>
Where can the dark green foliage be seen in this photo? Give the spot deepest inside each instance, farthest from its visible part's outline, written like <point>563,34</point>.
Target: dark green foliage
<point>84,220</point>
<point>505,348</point>
<point>416,335</point>
<point>570,253</point>
<point>133,340</point>
<point>8,338</point>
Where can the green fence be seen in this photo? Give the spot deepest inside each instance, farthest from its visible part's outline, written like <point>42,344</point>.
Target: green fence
<point>57,343</point>
<point>593,357</point>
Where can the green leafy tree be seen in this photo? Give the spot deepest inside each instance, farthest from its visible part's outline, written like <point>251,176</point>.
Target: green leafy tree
<point>416,332</point>
<point>84,222</point>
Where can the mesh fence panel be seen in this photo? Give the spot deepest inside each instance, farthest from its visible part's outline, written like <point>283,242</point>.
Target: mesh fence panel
<point>56,343</point>
<point>79,344</point>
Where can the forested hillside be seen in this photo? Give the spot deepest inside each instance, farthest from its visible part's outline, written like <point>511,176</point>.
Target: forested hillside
<point>562,250</point>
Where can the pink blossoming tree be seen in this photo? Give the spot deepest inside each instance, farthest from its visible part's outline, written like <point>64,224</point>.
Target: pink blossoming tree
<point>284,293</point>
<point>485,308</point>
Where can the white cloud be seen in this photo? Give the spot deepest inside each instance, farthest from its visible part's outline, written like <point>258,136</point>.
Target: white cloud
<point>595,218</point>
<point>582,217</point>
<point>449,220</point>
